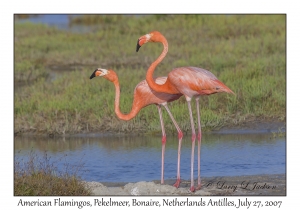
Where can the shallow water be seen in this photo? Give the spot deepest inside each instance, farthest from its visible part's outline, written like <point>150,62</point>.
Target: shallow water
<point>132,159</point>
<point>59,20</point>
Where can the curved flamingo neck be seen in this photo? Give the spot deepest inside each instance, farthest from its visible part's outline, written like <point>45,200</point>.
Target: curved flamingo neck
<point>167,87</point>
<point>134,109</point>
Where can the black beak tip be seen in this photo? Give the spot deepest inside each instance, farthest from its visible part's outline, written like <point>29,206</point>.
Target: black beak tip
<point>93,74</point>
<point>137,46</point>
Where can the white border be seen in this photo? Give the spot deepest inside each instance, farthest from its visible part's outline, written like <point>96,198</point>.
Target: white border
<point>152,6</point>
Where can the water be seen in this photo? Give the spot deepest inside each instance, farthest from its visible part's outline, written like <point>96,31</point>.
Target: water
<point>60,21</point>
<point>133,159</point>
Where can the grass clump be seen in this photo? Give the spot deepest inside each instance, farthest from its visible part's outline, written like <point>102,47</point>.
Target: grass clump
<point>39,177</point>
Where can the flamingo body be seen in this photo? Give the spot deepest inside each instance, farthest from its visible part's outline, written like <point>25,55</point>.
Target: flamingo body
<point>144,95</point>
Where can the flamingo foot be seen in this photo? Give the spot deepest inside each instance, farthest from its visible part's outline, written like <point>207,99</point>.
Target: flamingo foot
<point>198,187</point>
<point>177,183</point>
<point>192,189</point>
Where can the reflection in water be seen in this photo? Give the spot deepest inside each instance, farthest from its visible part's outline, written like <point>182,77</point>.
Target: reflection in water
<point>132,159</point>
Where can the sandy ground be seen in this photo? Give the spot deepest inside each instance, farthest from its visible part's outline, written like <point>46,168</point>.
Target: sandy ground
<point>269,185</point>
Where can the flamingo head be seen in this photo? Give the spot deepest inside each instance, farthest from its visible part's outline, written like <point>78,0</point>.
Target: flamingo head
<point>153,36</point>
<point>107,74</point>
<point>99,72</point>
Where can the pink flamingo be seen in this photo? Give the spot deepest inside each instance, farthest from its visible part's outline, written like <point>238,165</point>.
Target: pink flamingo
<point>144,96</point>
<point>189,81</point>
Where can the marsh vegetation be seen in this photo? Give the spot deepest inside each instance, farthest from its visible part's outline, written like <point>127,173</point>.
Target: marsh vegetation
<point>54,95</point>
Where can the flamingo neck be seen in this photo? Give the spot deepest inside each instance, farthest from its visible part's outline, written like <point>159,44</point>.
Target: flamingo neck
<point>134,110</point>
<point>167,87</point>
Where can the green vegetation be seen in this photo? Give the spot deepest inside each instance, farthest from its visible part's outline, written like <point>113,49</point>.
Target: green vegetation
<point>54,95</point>
<point>39,177</point>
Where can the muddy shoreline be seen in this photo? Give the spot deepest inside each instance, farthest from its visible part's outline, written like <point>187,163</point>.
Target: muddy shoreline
<point>255,185</point>
<point>254,125</point>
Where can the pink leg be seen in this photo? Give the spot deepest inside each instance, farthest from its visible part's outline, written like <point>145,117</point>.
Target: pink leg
<point>199,142</point>
<point>180,135</point>
<point>163,143</point>
<point>193,144</point>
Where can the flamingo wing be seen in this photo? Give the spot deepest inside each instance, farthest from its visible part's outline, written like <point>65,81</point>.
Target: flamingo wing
<point>192,81</point>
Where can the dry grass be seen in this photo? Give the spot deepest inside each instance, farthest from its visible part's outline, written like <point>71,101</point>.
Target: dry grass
<point>40,177</point>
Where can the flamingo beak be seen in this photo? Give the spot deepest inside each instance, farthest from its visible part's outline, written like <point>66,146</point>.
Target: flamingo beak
<point>138,45</point>
<point>93,74</point>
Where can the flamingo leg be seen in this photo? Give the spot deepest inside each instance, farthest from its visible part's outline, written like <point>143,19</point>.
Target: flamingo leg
<point>180,135</point>
<point>193,143</point>
<point>163,143</point>
<point>199,142</point>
